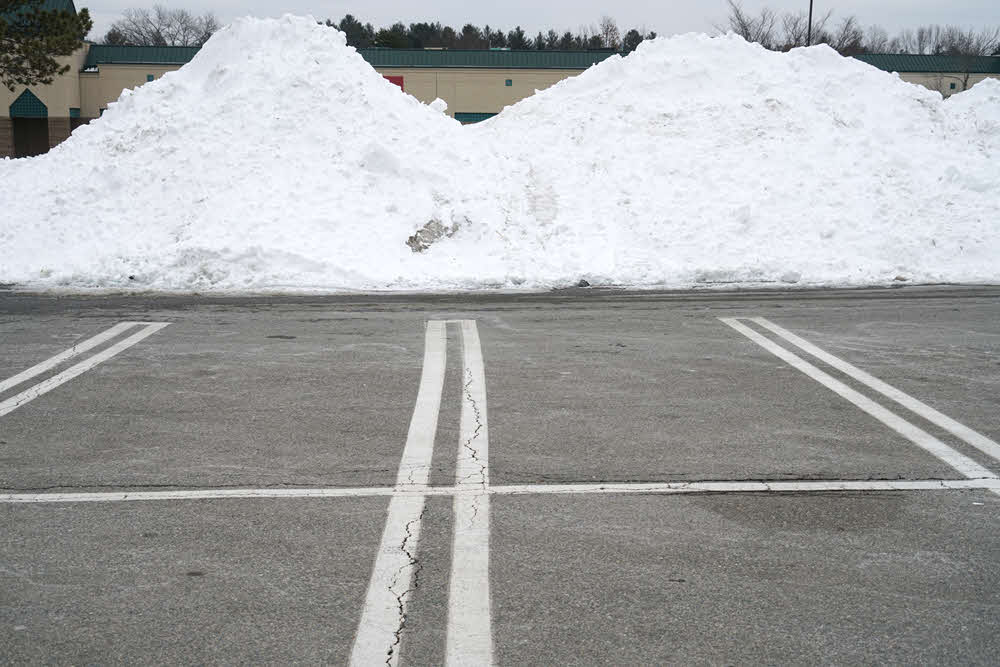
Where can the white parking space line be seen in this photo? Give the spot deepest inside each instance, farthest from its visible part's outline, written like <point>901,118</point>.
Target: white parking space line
<point>65,355</point>
<point>957,429</point>
<point>415,465</point>
<point>45,386</point>
<point>592,488</point>
<point>377,641</point>
<point>469,634</point>
<point>918,436</point>
<point>783,486</point>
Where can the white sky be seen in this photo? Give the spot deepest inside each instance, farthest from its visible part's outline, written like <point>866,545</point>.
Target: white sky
<point>666,18</point>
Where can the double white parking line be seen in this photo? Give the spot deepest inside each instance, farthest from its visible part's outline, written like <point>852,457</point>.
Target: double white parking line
<point>14,402</point>
<point>469,637</point>
<point>960,462</point>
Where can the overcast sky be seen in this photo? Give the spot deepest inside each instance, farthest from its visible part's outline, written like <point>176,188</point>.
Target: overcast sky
<point>666,18</point>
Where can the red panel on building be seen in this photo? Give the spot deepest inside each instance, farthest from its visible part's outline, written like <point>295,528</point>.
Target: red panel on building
<point>398,80</point>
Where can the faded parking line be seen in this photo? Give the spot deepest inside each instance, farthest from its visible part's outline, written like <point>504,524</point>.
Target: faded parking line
<point>960,462</point>
<point>45,386</point>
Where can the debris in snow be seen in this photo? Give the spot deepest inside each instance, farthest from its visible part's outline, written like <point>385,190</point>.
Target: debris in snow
<point>428,234</point>
<point>692,160</point>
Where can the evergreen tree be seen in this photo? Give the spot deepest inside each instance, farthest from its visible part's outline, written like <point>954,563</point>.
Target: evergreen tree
<point>31,38</point>
<point>359,36</point>
<point>516,39</point>
<point>633,38</point>
<point>393,38</point>
<point>448,37</point>
<point>471,38</point>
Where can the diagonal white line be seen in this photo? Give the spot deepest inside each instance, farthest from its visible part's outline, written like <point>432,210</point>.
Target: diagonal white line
<point>957,429</point>
<point>469,636</point>
<point>379,635</point>
<point>45,386</point>
<point>591,488</point>
<point>65,355</point>
<point>918,436</point>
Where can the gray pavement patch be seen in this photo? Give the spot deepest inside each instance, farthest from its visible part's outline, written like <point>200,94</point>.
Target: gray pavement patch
<point>245,581</point>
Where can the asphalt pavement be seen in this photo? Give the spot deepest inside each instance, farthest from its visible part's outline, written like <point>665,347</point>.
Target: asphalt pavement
<point>656,478</point>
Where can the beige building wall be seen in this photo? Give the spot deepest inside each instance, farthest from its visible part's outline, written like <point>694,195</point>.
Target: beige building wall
<point>942,82</point>
<point>60,96</point>
<point>98,89</point>
<point>476,90</point>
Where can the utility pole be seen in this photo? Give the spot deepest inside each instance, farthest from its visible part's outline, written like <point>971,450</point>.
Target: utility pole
<point>809,30</point>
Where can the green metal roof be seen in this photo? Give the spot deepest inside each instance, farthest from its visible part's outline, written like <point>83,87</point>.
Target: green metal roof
<point>481,59</point>
<point>452,58</point>
<point>101,54</point>
<point>901,62</point>
<point>28,106</point>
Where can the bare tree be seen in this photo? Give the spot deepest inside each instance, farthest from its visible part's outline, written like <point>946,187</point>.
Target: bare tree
<point>848,39</point>
<point>760,28</point>
<point>795,29</point>
<point>161,27</point>
<point>876,40</point>
<point>610,35</point>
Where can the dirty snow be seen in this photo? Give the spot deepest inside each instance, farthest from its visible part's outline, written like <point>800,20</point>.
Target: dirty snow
<point>279,159</point>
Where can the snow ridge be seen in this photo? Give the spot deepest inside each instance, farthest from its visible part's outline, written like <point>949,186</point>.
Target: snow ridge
<point>278,159</point>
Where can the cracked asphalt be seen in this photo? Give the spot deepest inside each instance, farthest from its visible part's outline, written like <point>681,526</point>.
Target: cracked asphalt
<point>582,386</point>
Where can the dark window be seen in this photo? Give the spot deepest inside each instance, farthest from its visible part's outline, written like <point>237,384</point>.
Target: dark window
<point>473,117</point>
<point>150,77</point>
<point>952,86</point>
<point>508,82</point>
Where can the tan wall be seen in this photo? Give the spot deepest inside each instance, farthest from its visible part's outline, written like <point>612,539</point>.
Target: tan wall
<point>61,95</point>
<point>59,131</point>
<point>942,82</point>
<point>98,89</point>
<point>6,137</point>
<point>476,90</point>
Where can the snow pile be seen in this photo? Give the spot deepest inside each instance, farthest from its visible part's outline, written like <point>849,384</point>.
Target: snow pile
<point>278,156</point>
<point>279,159</point>
<point>702,159</point>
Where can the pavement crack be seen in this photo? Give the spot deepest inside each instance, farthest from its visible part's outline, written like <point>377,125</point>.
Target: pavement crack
<point>469,444</point>
<point>410,572</point>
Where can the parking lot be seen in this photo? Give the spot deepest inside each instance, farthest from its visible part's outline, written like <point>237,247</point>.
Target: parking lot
<point>581,477</point>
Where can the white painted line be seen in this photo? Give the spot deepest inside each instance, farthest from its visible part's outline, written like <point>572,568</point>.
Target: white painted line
<point>918,436</point>
<point>783,486</point>
<point>415,465</point>
<point>379,637</point>
<point>957,429</point>
<point>383,618</point>
<point>472,467</point>
<point>45,386</point>
<point>193,494</point>
<point>469,635</point>
<point>65,355</point>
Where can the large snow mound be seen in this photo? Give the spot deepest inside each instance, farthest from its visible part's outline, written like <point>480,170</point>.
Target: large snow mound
<point>278,158</point>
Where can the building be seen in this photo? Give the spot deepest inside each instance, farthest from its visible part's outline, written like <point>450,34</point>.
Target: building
<point>475,84</point>
<point>946,74</point>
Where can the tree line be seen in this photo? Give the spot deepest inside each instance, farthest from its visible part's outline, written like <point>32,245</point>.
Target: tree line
<point>778,31</point>
<point>435,35</point>
<point>781,32</point>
